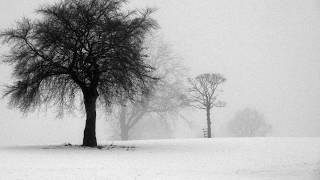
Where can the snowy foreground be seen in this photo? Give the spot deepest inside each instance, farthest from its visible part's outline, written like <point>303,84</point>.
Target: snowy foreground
<point>194,159</point>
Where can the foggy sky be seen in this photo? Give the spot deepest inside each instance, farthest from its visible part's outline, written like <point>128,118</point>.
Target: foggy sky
<point>269,51</point>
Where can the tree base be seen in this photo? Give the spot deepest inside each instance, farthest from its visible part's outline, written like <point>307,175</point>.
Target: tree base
<point>91,143</point>
<point>89,138</point>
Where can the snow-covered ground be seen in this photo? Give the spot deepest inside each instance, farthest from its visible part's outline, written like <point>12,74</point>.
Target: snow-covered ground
<point>189,159</point>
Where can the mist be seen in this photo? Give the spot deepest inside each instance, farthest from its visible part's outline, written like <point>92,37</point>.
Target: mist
<point>268,51</point>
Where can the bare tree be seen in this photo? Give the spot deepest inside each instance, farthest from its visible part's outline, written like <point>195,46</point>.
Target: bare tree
<point>203,94</point>
<point>163,98</point>
<point>90,47</point>
<point>249,123</point>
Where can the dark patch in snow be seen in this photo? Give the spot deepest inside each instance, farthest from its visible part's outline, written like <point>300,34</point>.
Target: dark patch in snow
<point>106,147</point>
<point>112,146</point>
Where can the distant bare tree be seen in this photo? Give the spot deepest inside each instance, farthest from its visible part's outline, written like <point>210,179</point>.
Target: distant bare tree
<point>203,94</point>
<point>249,123</point>
<point>91,48</point>
<point>165,97</point>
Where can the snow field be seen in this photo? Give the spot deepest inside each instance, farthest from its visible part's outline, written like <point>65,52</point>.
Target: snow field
<point>187,159</point>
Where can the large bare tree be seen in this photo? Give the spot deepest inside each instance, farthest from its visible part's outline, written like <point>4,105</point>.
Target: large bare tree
<point>162,98</point>
<point>203,94</point>
<point>90,48</point>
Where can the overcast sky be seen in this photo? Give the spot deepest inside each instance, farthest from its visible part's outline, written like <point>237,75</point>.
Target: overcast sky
<point>269,51</point>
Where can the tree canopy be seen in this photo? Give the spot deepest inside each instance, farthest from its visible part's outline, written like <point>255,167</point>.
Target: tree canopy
<point>165,98</point>
<point>88,46</point>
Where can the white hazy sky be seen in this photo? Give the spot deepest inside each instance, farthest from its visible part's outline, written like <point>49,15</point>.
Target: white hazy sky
<point>269,51</point>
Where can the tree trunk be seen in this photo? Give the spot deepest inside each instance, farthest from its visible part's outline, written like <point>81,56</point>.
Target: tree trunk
<point>124,134</point>
<point>124,128</point>
<point>89,136</point>
<point>208,122</point>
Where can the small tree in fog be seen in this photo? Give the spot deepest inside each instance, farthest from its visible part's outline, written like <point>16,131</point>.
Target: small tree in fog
<point>203,94</point>
<point>86,47</point>
<point>249,123</point>
<point>164,97</point>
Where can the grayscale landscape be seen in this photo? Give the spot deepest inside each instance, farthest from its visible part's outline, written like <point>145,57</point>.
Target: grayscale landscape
<point>156,89</point>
